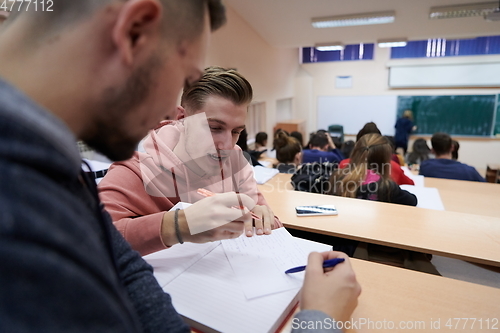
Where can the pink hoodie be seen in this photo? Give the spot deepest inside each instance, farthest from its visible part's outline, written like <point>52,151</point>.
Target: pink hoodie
<point>137,192</point>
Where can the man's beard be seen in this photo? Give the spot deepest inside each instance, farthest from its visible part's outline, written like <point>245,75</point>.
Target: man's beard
<point>108,133</point>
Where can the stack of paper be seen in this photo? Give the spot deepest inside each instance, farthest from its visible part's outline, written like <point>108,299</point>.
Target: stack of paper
<point>428,197</point>
<point>262,175</point>
<point>239,286</point>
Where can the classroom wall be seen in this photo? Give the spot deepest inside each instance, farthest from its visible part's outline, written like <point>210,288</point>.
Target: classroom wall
<point>270,70</point>
<point>276,74</point>
<point>371,78</point>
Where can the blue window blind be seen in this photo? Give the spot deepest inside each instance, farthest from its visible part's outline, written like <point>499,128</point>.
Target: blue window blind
<point>441,47</point>
<point>350,52</point>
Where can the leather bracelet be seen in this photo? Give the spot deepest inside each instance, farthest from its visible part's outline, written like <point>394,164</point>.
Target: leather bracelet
<point>177,229</point>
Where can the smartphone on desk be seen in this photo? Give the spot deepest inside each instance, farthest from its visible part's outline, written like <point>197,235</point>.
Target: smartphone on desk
<point>316,210</point>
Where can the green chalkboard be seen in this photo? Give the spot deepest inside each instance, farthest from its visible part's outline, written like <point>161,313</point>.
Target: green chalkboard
<point>455,115</point>
<point>497,122</point>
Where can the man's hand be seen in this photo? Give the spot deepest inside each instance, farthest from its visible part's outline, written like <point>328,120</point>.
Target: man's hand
<point>210,219</point>
<point>330,141</point>
<point>262,226</point>
<point>334,291</point>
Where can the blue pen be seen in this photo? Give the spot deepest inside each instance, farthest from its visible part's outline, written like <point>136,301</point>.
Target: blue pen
<point>326,263</point>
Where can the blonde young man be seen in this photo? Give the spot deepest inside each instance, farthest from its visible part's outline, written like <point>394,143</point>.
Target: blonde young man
<point>197,151</point>
<point>101,71</point>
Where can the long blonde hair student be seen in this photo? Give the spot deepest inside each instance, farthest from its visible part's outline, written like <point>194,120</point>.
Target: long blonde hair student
<point>372,152</point>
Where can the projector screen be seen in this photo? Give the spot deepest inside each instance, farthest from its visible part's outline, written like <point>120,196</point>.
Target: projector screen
<point>433,76</point>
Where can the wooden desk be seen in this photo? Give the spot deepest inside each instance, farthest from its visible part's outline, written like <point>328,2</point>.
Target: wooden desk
<point>457,195</point>
<point>413,298</point>
<point>468,197</point>
<point>462,236</point>
<point>463,186</point>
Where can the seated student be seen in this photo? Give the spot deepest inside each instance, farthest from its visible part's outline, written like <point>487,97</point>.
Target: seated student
<point>261,141</point>
<point>251,155</point>
<point>395,156</point>
<point>347,148</point>
<point>181,157</point>
<point>272,153</point>
<point>298,136</point>
<point>443,166</point>
<point>420,152</point>
<point>321,149</point>
<point>397,173</point>
<point>454,152</point>
<point>288,152</point>
<point>368,174</point>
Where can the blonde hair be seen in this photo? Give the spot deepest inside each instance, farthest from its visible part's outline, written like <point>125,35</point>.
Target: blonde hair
<point>408,114</point>
<point>371,152</point>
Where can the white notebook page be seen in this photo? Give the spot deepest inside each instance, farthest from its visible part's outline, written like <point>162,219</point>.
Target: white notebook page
<point>170,263</point>
<point>272,254</point>
<point>211,297</point>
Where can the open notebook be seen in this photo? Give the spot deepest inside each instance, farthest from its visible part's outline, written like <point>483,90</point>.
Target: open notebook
<point>217,289</point>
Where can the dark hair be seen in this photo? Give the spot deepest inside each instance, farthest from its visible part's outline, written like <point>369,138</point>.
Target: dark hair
<point>298,136</point>
<point>182,20</point>
<point>336,141</point>
<point>371,152</point>
<point>370,127</point>
<point>347,148</point>
<point>456,147</point>
<point>392,142</point>
<point>286,147</point>
<point>420,152</point>
<point>260,138</point>
<point>319,140</point>
<point>218,81</point>
<point>242,140</point>
<point>276,134</point>
<point>441,143</point>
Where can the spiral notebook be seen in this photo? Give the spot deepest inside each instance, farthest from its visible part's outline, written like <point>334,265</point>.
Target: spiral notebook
<point>212,295</point>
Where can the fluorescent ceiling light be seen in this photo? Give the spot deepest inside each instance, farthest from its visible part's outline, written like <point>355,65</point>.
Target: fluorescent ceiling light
<point>395,42</point>
<point>495,16</point>
<point>354,19</point>
<point>336,46</point>
<point>466,10</point>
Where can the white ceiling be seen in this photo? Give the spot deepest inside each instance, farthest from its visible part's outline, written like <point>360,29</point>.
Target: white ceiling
<point>286,23</point>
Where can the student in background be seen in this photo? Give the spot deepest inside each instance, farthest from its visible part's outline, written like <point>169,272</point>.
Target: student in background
<point>321,149</point>
<point>454,152</point>
<point>251,155</point>
<point>261,141</point>
<point>288,153</point>
<point>368,174</point>
<point>298,136</point>
<point>397,173</point>
<point>404,126</point>
<point>395,156</point>
<point>272,153</point>
<point>443,166</point>
<point>347,148</point>
<point>420,152</point>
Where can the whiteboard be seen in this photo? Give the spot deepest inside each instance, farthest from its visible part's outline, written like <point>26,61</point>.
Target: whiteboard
<point>460,75</point>
<point>353,112</point>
